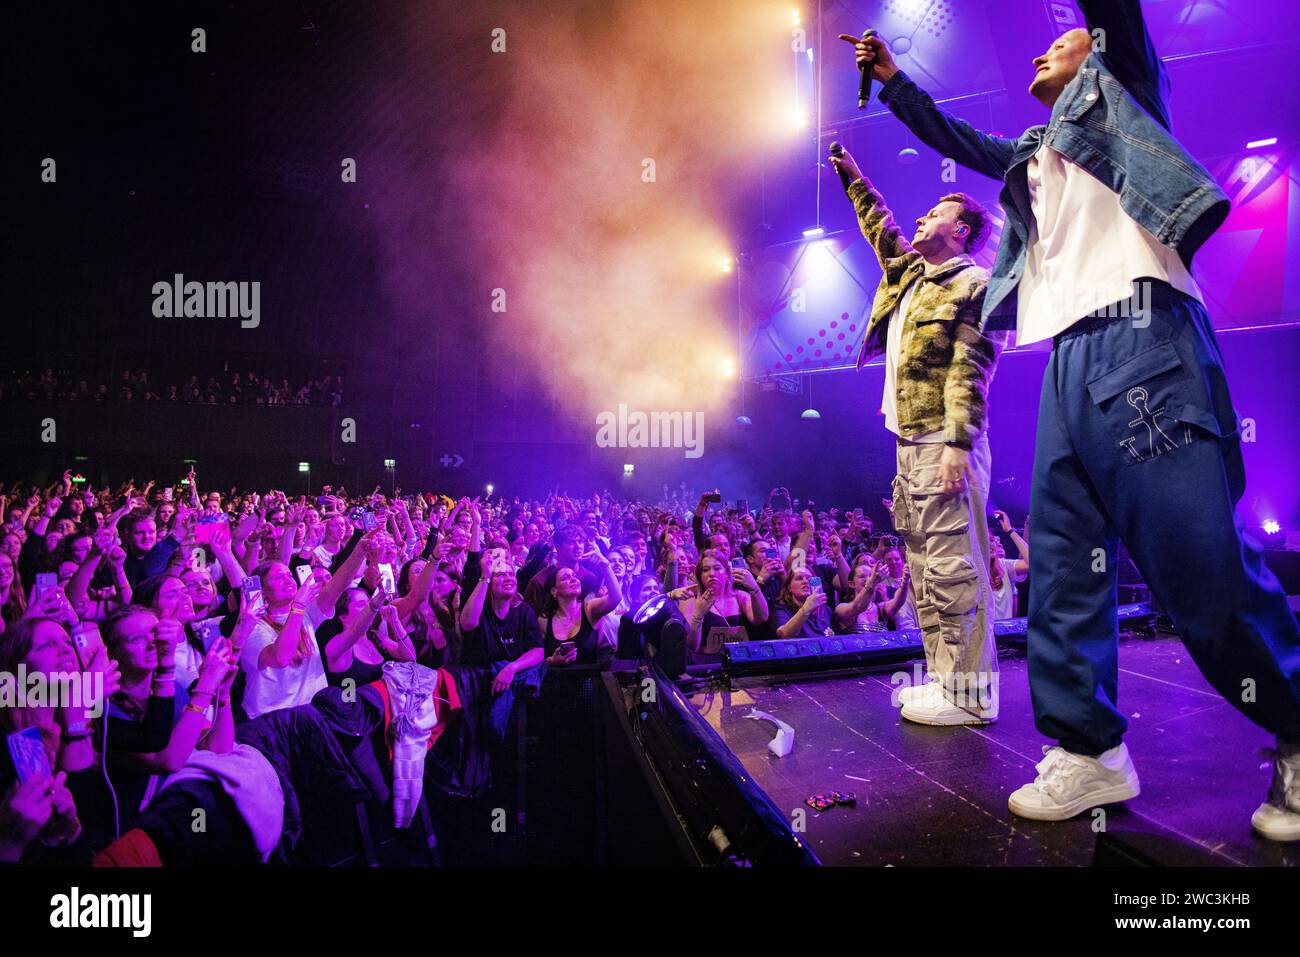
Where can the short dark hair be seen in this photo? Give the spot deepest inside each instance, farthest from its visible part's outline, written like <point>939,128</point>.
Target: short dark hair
<point>974,215</point>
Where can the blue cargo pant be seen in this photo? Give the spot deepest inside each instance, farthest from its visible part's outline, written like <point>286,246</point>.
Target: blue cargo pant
<point>1137,440</point>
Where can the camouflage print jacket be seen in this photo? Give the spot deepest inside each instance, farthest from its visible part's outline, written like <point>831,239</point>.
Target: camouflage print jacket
<point>945,363</point>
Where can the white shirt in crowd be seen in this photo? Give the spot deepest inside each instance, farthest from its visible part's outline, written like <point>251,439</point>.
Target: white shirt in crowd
<point>1004,598</point>
<point>907,616</point>
<point>1085,252</point>
<point>269,689</point>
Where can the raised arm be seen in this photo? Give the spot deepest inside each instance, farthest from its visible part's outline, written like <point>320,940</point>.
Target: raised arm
<point>846,612</point>
<point>890,608</point>
<point>875,220</point>
<point>342,578</point>
<point>1121,40</point>
<point>1020,567</point>
<point>473,610</point>
<point>338,650</point>
<point>221,547</point>
<point>990,155</point>
<point>597,606</point>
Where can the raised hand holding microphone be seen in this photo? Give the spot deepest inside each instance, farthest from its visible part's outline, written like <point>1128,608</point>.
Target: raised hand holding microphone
<point>872,54</point>
<point>845,165</point>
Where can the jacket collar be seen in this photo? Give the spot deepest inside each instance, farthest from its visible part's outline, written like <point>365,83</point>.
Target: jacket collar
<point>940,272</point>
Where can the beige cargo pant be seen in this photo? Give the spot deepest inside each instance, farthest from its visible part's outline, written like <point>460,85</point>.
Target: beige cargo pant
<point>947,540</point>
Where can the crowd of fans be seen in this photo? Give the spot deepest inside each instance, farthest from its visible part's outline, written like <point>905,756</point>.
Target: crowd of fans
<point>228,387</point>
<point>198,611</point>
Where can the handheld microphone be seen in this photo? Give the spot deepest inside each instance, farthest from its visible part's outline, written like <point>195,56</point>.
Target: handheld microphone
<point>838,150</point>
<point>864,87</point>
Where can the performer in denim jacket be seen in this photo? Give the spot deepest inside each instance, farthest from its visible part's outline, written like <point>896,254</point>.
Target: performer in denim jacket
<point>1137,437</point>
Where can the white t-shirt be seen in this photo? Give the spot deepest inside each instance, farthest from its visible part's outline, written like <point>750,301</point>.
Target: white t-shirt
<point>893,355</point>
<point>1084,252</point>
<point>188,663</point>
<point>269,689</point>
<point>1004,598</point>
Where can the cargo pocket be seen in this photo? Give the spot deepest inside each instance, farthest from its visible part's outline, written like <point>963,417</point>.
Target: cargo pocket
<point>902,516</point>
<point>937,513</point>
<point>1141,401</point>
<point>952,585</point>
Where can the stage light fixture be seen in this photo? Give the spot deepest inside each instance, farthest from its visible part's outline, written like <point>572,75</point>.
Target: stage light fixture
<point>659,629</point>
<point>488,488</point>
<point>810,414</point>
<point>390,463</point>
<point>1271,527</point>
<point>814,232</point>
<point>744,420</point>
<point>304,467</point>
<point>1255,144</point>
<point>628,468</point>
<point>726,264</point>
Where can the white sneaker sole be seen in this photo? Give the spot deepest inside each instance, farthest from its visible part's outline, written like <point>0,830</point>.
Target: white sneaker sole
<point>1063,812</point>
<point>1274,824</point>
<point>947,719</point>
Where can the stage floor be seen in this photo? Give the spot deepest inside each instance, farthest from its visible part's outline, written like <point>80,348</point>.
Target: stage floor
<point>938,796</point>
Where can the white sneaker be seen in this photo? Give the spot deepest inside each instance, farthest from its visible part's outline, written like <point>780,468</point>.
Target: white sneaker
<point>1069,783</point>
<point>932,706</point>
<point>1278,818</point>
<point>906,695</point>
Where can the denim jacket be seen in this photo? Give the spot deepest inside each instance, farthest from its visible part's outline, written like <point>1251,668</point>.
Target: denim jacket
<point>1112,121</point>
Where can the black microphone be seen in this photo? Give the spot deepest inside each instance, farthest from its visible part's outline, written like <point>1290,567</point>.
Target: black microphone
<point>838,150</point>
<point>864,88</point>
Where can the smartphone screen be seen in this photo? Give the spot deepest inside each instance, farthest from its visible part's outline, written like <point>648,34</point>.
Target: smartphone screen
<point>208,630</point>
<point>769,553</point>
<point>252,591</point>
<point>368,520</point>
<point>44,582</point>
<point>815,583</point>
<point>28,753</point>
<point>387,581</point>
<point>737,563</point>
<point>304,573</point>
<point>86,642</point>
